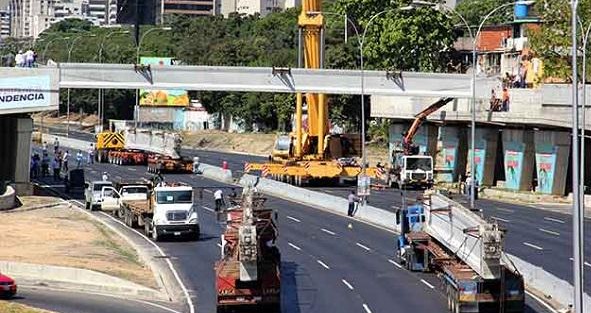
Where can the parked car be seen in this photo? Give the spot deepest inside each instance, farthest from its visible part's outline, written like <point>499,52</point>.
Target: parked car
<point>92,193</point>
<point>7,286</point>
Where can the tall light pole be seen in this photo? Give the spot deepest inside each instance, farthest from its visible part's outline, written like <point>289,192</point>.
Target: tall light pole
<point>49,43</point>
<point>577,214</point>
<point>100,57</point>
<point>70,49</point>
<point>137,61</point>
<point>583,113</point>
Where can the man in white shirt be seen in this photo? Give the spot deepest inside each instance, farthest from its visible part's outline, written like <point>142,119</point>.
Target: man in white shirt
<point>65,160</point>
<point>19,59</point>
<point>29,58</point>
<point>218,195</point>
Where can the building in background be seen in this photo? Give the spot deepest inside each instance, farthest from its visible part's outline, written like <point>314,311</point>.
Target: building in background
<point>251,7</point>
<point>103,11</point>
<point>188,7</point>
<point>4,22</point>
<point>30,17</point>
<point>148,11</point>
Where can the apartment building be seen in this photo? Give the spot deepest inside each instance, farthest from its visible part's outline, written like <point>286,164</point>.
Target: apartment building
<point>30,17</point>
<point>251,7</point>
<point>188,7</point>
<point>103,11</point>
<point>4,22</point>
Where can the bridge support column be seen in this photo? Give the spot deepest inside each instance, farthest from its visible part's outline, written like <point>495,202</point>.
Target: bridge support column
<point>518,149</point>
<point>552,151</point>
<point>425,138</point>
<point>15,155</point>
<point>485,155</point>
<point>452,159</point>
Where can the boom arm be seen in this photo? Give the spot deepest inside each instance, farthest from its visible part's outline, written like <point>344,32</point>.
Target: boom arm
<point>419,118</point>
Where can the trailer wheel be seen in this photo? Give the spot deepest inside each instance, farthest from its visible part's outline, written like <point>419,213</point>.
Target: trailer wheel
<point>147,229</point>
<point>87,205</point>
<point>155,236</point>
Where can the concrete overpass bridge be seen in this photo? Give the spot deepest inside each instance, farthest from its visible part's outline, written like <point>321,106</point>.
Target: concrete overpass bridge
<point>529,143</point>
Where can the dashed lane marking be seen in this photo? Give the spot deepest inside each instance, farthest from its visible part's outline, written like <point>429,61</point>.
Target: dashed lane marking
<point>549,232</point>
<point>427,283</point>
<point>323,264</point>
<point>505,210</point>
<point>551,219</point>
<point>500,219</point>
<point>294,246</point>
<point>363,246</point>
<point>533,246</point>
<point>366,308</point>
<point>208,191</point>
<point>395,263</point>
<point>219,245</point>
<point>132,169</point>
<point>347,284</point>
<point>293,218</point>
<point>327,231</point>
<point>208,209</point>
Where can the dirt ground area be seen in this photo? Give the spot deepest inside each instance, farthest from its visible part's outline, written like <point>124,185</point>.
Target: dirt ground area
<point>255,143</point>
<point>64,236</point>
<point>10,307</point>
<point>51,118</point>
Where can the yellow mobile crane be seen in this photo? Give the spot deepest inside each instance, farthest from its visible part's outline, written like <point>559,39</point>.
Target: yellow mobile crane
<point>312,153</point>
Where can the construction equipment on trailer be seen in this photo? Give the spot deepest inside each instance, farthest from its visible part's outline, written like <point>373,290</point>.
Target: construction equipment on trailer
<point>312,153</point>
<point>408,167</point>
<point>248,273</point>
<point>159,150</point>
<point>466,251</point>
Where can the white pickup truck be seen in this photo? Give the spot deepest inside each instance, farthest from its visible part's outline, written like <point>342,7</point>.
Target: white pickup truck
<point>93,193</point>
<point>113,197</point>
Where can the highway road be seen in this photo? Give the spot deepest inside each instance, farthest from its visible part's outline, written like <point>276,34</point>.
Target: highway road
<point>76,302</point>
<point>542,237</point>
<point>327,266</point>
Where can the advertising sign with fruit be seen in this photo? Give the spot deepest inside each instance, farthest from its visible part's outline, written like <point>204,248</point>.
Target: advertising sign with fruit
<point>173,97</point>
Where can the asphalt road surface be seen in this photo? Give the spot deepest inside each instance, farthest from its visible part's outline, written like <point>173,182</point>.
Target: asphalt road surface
<point>327,266</point>
<point>541,237</point>
<point>74,302</point>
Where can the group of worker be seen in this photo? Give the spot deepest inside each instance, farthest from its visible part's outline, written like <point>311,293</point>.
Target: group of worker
<point>41,165</point>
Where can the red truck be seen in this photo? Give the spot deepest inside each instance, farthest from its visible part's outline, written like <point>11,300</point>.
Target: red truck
<point>248,274</point>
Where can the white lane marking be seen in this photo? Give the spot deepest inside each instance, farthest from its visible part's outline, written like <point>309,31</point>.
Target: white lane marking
<point>366,308</point>
<point>293,218</point>
<point>132,169</point>
<point>323,264</point>
<point>328,231</point>
<point>505,210</point>
<point>427,283</point>
<point>347,284</point>
<point>118,177</point>
<point>395,263</point>
<point>362,246</point>
<point>533,246</point>
<point>208,209</point>
<point>395,207</point>
<point>329,191</point>
<point>587,264</point>
<point>208,191</point>
<point>549,232</point>
<point>219,245</point>
<point>500,219</point>
<point>554,220</point>
<point>294,246</point>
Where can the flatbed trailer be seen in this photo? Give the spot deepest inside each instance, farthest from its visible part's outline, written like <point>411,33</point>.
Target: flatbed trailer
<point>164,164</point>
<point>127,157</point>
<point>465,289</point>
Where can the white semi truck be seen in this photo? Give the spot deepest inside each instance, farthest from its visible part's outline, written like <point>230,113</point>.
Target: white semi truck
<point>164,210</point>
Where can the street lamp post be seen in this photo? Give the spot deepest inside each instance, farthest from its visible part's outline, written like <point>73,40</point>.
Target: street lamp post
<point>100,91</point>
<point>583,113</point>
<point>577,214</point>
<point>70,49</point>
<point>49,43</point>
<point>137,61</point>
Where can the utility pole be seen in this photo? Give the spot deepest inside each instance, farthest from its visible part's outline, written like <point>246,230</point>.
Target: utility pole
<point>137,22</point>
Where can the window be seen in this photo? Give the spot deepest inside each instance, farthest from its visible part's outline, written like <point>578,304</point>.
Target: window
<point>173,196</point>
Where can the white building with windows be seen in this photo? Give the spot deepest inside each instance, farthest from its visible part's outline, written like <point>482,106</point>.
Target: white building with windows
<point>4,22</point>
<point>251,7</point>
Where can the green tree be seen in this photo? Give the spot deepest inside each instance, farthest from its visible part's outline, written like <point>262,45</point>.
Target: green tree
<point>552,42</point>
<point>475,10</point>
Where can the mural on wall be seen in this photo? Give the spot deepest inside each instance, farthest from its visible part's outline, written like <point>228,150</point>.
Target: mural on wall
<point>513,164</point>
<point>449,152</point>
<point>545,167</point>
<point>479,158</point>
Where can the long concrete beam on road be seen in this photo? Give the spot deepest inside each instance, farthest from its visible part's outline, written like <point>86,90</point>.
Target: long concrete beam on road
<point>277,80</point>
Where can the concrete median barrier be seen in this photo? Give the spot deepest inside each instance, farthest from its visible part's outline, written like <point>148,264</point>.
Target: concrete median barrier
<point>334,204</point>
<point>216,173</point>
<point>83,279</point>
<point>67,142</point>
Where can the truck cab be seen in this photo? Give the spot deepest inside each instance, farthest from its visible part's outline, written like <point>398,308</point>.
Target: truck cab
<point>174,213</point>
<point>93,193</point>
<point>412,170</point>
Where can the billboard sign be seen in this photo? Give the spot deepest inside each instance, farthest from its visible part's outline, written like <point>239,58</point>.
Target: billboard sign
<point>546,165</point>
<point>513,165</point>
<point>23,91</point>
<point>171,97</point>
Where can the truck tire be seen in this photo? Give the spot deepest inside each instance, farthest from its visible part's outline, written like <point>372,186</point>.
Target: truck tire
<point>87,206</point>
<point>147,229</point>
<point>197,234</point>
